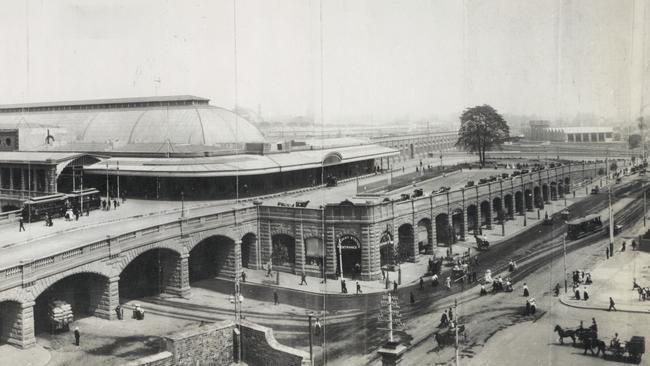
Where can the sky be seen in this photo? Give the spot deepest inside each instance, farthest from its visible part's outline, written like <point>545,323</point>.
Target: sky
<point>338,61</point>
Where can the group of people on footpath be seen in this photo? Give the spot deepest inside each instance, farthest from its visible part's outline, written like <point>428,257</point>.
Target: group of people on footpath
<point>644,292</point>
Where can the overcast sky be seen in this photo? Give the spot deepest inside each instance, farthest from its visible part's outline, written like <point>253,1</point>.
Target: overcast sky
<point>382,59</point>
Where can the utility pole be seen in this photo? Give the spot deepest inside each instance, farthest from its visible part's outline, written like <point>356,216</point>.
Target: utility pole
<point>118,181</point>
<point>644,206</point>
<point>565,274</point>
<point>457,325</point>
<point>108,201</point>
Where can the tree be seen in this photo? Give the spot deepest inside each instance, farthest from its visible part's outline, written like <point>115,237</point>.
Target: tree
<point>481,128</point>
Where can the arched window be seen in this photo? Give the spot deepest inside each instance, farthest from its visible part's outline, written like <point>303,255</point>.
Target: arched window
<point>314,251</point>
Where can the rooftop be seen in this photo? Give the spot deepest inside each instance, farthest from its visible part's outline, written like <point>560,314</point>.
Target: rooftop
<point>105,103</point>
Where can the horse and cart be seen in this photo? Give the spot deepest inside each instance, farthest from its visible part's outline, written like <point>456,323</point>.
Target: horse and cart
<point>627,351</point>
<point>447,337</point>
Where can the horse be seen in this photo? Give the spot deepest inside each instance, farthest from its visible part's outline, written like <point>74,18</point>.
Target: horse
<point>592,343</point>
<point>569,333</point>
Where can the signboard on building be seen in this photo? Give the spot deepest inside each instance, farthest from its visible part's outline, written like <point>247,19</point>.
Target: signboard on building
<point>349,242</point>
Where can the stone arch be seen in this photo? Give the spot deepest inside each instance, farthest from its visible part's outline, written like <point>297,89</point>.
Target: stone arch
<point>387,254</point>
<point>86,292</point>
<point>248,249</point>
<point>214,256</point>
<point>553,191</point>
<point>528,199</point>
<point>10,311</point>
<point>99,268</point>
<point>509,206</point>
<point>129,256</point>
<point>519,202</point>
<point>486,214</point>
<point>537,197</point>
<point>545,193</point>
<point>196,238</point>
<point>444,232</point>
<point>457,224</point>
<point>405,242</point>
<point>497,208</point>
<point>150,272</point>
<point>567,185</point>
<point>425,235</point>
<point>472,218</point>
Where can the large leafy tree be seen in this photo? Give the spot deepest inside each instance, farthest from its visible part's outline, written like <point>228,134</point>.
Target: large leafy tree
<point>481,128</point>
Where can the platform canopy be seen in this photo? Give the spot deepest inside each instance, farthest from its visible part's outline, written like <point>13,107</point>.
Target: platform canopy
<point>242,164</point>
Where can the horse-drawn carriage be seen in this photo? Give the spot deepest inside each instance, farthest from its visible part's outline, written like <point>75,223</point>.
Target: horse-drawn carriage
<point>447,337</point>
<point>630,351</point>
<point>481,242</point>
<point>458,272</point>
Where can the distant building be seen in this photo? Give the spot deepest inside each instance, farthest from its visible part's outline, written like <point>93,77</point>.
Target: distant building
<point>541,130</point>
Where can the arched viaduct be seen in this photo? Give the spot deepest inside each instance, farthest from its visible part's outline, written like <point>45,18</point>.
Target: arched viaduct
<point>358,238</point>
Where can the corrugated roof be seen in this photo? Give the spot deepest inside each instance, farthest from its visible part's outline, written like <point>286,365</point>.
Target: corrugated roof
<point>21,157</point>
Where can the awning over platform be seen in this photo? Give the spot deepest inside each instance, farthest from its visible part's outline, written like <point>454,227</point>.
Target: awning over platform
<point>244,164</point>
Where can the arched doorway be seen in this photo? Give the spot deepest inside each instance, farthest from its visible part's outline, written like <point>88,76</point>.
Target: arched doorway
<point>443,230</point>
<point>405,245</point>
<point>545,195</point>
<point>248,247</point>
<point>472,219</point>
<point>284,251</point>
<point>509,206</point>
<point>387,253</point>
<point>83,291</point>
<point>348,256</point>
<point>528,197</point>
<point>9,320</point>
<point>458,224</point>
<point>486,214</point>
<point>212,257</point>
<point>425,244</point>
<point>519,202</point>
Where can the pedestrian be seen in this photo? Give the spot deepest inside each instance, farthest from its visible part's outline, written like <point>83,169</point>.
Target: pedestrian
<point>421,283</point>
<point>450,314</point>
<point>383,272</point>
<point>276,300</point>
<point>611,305</point>
<point>344,287</point>
<point>268,269</point>
<point>594,326</point>
<point>585,295</point>
<point>607,252</point>
<point>359,288</point>
<point>443,319</point>
<point>119,312</point>
<point>483,290</point>
<point>114,204</point>
<point>21,224</point>
<point>103,205</point>
<point>448,283</point>
<point>577,293</point>
<point>303,279</point>
<point>87,211</point>
<point>77,335</point>
<point>412,298</point>
<point>633,245</point>
<point>623,247</point>
<point>526,292</point>
<point>243,276</point>
<point>394,286</point>
<point>76,215</point>
<point>434,280</point>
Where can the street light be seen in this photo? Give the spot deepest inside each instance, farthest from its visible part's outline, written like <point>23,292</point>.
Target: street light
<point>311,315</point>
<point>238,299</point>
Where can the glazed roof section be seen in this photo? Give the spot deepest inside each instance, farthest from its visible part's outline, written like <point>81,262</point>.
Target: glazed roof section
<point>224,166</point>
<point>104,103</point>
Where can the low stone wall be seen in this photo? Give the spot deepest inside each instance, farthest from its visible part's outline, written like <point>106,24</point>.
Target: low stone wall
<point>209,344</point>
<point>159,359</point>
<point>261,349</point>
<point>214,344</point>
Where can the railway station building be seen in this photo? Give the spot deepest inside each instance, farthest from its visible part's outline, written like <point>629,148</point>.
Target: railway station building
<point>162,148</point>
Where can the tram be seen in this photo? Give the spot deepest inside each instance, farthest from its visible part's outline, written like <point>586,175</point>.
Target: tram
<point>584,226</point>
<point>90,197</point>
<point>55,205</point>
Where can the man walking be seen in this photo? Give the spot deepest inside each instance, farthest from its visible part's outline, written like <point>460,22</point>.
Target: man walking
<point>303,279</point>
<point>358,288</point>
<point>276,300</point>
<point>395,286</point>
<point>21,224</point>
<point>268,269</point>
<point>611,305</point>
<point>421,283</point>
<point>76,336</point>
<point>607,252</point>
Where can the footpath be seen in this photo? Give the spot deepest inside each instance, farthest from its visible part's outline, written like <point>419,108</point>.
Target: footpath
<point>614,277</point>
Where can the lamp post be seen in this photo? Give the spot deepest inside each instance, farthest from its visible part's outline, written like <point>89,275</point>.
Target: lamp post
<point>311,340</point>
<point>238,299</point>
<point>108,200</point>
<point>118,181</point>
